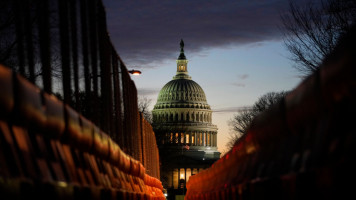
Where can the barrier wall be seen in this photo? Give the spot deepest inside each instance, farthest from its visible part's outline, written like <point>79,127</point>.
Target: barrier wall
<point>150,154</point>
<point>302,148</point>
<point>49,151</point>
<point>63,47</point>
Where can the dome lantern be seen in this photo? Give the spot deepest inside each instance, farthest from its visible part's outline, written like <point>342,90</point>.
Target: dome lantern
<point>182,64</point>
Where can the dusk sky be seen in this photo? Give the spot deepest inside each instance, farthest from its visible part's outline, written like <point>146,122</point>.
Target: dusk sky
<point>234,48</point>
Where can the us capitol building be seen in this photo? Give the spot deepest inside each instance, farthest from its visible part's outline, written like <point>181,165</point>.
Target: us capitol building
<point>186,137</point>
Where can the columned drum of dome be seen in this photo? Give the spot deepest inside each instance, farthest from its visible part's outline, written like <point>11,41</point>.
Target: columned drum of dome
<point>182,121</point>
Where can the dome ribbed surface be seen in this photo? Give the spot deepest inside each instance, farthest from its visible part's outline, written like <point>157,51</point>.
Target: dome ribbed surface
<point>181,90</point>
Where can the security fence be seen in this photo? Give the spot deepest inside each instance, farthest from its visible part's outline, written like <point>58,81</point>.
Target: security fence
<point>301,148</point>
<point>67,99</point>
<point>48,150</point>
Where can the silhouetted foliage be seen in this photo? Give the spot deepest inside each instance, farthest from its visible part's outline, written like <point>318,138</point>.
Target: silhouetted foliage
<point>312,30</point>
<point>242,120</point>
<point>143,107</point>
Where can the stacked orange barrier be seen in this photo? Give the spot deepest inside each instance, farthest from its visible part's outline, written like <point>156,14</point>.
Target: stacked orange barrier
<point>154,187</point>
<point>301,148</point>
<point>48,150</point>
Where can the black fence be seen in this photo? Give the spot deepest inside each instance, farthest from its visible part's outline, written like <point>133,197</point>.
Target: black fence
<point>69,121</point>
<point>63,47</point>
<point>50,151</point>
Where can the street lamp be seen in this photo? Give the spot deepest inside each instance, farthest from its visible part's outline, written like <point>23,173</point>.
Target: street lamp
<point>134,72</point>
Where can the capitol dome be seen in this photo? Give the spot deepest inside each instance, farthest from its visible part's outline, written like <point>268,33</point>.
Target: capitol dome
<point>185,135</point>
<point>181,92</point>
<point>182,114</point>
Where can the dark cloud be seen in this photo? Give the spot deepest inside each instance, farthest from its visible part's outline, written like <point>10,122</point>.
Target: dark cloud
<point>146,31</point>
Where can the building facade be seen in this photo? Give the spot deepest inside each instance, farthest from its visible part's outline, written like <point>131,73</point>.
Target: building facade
<point>182,122</point>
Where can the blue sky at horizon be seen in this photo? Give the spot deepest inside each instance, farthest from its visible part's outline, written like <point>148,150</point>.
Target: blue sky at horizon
<point>234,47</point>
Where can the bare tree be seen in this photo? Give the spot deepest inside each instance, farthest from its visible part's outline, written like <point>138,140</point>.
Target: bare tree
<point>242,120</point>
<point>143,107</point>
<point>312,30</point>
<point>239,125</point>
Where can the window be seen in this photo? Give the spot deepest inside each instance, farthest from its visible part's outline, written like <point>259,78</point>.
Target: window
<point>193,140</point>
<point>182,138</point>
<point>170,179</point>
<point>181,68</point>
<point>175,178</point>
<point>182,178</point>
<point>182,173</point>
<point>187,138</point>
<point>189,173</point>
<point>177,138</point>
<point>200,139</point>
<point>204,139</point>
<point>208,142</point>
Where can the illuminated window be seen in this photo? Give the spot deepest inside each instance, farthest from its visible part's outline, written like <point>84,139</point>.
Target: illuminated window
<point>181,68</point>
<point>177,138</point>
<point>189,173</point>
<point>171,138</point>
<point>175,179</point>
<point>204,139</point>
<point>192,139</point>
<point>182,138</point>
<point>200,139</point>
<point>182,174</point>
<point>209,139</point>
<point>187,138</point>
<point>182,178</point>
<point>170,179</point>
